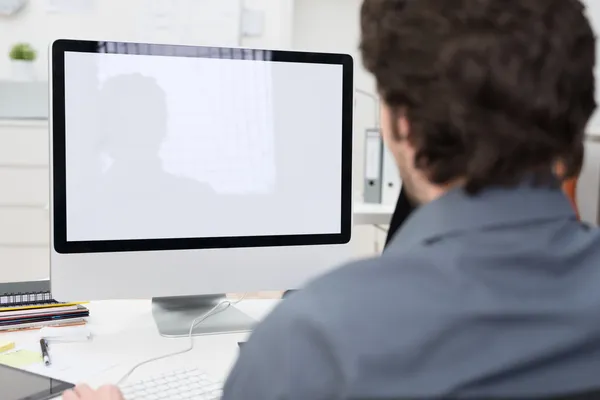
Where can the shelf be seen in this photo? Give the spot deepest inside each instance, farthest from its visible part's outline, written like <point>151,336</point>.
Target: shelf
<point>372,214</point>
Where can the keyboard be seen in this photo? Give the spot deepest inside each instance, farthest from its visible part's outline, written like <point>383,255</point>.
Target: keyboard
<point>175,385</point>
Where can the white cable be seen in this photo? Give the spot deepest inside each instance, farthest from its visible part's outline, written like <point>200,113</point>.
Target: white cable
<point>195,322</point>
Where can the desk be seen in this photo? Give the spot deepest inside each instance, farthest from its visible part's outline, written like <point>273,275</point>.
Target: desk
<point>125,332</point>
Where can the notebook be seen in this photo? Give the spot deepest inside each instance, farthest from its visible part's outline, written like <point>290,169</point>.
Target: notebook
<point>29,305</point>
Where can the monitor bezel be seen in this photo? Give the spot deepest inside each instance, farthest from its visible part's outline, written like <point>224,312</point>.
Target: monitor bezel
<point>58,142</point>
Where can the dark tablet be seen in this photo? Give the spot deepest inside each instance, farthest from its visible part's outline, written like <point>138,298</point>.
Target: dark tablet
<point>16,384</point>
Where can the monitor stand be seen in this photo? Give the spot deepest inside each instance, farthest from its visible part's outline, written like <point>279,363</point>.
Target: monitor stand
<point>174,316</point>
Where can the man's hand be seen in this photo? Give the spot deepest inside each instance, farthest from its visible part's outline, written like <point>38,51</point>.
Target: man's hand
<point>84,392</point>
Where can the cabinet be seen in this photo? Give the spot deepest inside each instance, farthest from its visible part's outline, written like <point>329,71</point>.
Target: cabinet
<point>24,197</point>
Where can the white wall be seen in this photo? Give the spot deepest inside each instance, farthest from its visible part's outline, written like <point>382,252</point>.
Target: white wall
<point>207,22</point>
<point>279,20</point>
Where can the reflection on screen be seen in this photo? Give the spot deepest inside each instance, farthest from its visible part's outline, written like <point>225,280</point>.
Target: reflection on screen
<point>195,117</point>
<point>175,147</point>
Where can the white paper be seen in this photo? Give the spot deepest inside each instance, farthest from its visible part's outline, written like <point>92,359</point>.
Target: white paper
<point>69,6</point>
<point>72,368</point>
<point>66,334</point>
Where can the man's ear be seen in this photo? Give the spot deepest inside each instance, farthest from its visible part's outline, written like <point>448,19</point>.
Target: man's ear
<point>399,124</point>
<point>403,126</point>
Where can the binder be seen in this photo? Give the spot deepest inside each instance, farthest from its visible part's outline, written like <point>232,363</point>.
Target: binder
<point>24,294</point>
<point>391,182</point>
<point>372,171</point>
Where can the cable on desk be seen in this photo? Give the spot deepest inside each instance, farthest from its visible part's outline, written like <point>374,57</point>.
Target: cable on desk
<point>198,320</point>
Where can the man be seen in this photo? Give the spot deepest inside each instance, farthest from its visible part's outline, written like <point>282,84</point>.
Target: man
<point>490,288</point>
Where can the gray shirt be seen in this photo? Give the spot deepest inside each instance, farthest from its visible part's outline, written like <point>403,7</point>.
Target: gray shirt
<point>494,295</point>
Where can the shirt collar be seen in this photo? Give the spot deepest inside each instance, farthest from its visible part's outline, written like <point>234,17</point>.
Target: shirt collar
<point>456,212</point>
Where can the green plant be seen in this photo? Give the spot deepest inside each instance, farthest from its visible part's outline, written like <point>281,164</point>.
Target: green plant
<point>22,51</point>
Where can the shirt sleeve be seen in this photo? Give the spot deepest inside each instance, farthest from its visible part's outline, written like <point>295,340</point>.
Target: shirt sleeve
<point>288,357</point>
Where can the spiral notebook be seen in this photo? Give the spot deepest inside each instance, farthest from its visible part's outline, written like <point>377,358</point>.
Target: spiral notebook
<point>25,294</point>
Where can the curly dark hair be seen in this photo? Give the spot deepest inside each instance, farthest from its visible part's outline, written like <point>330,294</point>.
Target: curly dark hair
<point>494,90</point>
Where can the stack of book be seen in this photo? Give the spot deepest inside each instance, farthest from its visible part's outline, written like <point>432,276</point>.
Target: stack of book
<point>39,315</point>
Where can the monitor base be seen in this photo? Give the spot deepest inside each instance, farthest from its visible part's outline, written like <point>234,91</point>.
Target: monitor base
<point>174,315</point>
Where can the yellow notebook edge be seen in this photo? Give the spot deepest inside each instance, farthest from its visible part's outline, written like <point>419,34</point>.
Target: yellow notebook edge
<point>42,306</point>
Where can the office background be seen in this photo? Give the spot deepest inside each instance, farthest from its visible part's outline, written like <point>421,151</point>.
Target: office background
<point>318,25</point>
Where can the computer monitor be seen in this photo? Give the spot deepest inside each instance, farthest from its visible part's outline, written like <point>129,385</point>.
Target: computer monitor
<point>181,171</point>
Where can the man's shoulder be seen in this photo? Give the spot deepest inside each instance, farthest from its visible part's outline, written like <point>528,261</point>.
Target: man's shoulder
<point>353,310</point>
<point>360,286</point>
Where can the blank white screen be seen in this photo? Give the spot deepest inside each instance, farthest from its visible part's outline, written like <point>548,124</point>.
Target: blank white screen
<point>178,147</point>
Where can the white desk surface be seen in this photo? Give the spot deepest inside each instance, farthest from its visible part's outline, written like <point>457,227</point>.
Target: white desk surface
<point>125,332</point>
<point>373,214</point>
